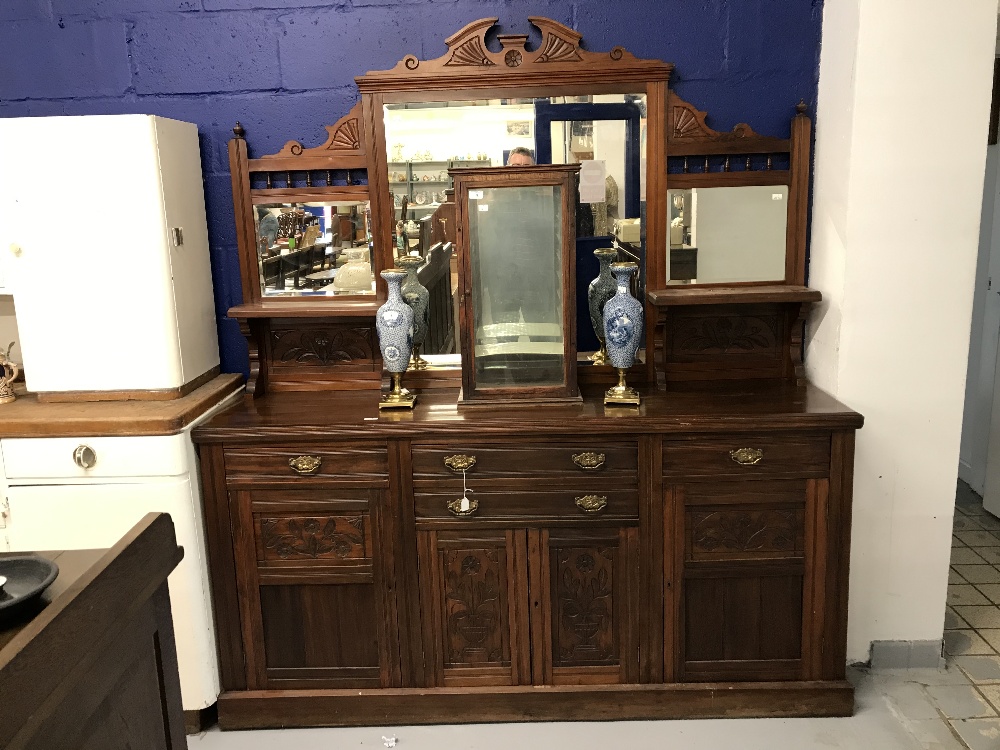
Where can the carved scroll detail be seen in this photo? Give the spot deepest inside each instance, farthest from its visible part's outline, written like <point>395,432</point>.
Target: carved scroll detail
<point>343,137</point>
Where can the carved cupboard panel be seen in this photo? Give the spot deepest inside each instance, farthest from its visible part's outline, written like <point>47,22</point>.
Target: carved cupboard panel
<point>745,591</point>
<point>474,607</point>
<point>312,590</point>
<point>535,606</point>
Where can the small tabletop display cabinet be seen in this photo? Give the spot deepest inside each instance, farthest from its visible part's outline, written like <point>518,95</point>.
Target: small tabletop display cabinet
<point>518,546</point>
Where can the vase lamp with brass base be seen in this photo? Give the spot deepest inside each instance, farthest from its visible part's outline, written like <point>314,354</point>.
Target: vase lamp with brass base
<point>621,394</point>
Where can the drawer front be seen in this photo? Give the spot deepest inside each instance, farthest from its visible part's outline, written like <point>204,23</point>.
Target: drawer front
<point>530,461</point>
<point>747,456</point>
<point>308,464</point>
<point>559,505</point>
<point>97,457</point>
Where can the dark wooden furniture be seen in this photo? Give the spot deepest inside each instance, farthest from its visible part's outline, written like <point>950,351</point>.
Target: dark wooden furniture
<point>684,559</point>
<point>93,665</point>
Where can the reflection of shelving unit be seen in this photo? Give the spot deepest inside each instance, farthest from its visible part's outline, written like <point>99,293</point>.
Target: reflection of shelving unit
<point>413,184</point>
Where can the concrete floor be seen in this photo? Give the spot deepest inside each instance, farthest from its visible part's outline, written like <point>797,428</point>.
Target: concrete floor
<point>953,708</point>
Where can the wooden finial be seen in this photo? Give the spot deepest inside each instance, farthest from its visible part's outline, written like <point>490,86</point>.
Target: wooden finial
<point>238,131</point>
<point>800,108</point>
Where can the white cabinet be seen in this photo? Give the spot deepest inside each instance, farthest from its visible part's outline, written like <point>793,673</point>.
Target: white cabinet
<point>104,246</point>
<point>52,502</point>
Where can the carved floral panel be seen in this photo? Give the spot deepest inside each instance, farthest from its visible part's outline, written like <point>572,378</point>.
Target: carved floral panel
<point>318,346</point>
<point>583,627</point>
<point>313,538</point>
<point>475,603</point>
<point>745,533</point>
<point>726,334</point>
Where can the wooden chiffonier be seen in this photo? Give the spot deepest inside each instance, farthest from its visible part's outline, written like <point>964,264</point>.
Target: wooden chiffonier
<point>699,543</point>
<point>518,561</point>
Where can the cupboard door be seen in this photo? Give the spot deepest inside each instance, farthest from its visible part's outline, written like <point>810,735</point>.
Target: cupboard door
<point>584,605</point>
<point>312,592</point>
<point>743,553</point>
<point>473,591</point>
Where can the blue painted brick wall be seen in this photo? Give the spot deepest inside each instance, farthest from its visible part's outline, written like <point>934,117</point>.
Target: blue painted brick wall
<point>285,68</point>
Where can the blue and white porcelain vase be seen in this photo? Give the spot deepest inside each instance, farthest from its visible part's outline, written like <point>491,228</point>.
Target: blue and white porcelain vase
<point>599,292</point>
<point>622,332</point>
<point>394,324</point>
<point>418,298</point>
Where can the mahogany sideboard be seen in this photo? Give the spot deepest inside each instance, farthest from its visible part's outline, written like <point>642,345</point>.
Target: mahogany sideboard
<point>686,559</point>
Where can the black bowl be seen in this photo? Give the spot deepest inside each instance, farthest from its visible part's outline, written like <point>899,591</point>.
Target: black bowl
<point>27,577</point>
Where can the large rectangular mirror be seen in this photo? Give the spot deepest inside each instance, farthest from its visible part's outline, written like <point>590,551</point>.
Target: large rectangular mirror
<point>604,133</point>
<point>314,248</point>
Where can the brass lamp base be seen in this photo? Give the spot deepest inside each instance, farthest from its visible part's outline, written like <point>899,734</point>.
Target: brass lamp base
<point>601,357</point>
<point>398,397</point>
<point>621,394</point>
<point>416,361</point>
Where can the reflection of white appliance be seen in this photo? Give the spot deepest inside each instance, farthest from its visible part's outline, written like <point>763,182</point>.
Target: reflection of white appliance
<point>104,245</point>
<point>53,502</point>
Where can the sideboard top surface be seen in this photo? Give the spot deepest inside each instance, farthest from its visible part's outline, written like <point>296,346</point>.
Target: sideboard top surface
<point>29,417</point>
<point>354,414</point>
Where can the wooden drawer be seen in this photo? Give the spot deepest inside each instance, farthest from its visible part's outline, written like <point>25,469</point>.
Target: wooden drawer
<point>308,464</point>
<point>57,458</point>
<point>746,456</point>
<point>570,459</point>
<point>558,505</point>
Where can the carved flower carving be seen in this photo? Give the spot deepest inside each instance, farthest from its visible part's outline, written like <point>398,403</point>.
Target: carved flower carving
<point>512,58</point>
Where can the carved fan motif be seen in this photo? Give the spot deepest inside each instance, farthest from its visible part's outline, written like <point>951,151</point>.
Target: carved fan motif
<point>346,138</point>
<point>557,49</point>
<point>471,52</point>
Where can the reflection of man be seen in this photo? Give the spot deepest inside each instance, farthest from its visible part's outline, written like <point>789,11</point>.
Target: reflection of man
<point>519,156</point>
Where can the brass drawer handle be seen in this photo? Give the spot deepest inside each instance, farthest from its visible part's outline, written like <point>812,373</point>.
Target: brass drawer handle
<point>305,464</point>
<point>455,506</point>
<point>747,456</point>
<point>589,461</point>
<point>460,463</point>
<point>592,503</point>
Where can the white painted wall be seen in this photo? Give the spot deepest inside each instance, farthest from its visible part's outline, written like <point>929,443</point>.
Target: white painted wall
<point>895,233</point>
<point>983,340</point>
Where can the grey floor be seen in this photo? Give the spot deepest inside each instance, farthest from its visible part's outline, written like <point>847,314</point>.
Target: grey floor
<point>953,708</point>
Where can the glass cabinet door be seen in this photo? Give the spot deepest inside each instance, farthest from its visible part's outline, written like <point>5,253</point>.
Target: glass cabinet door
<point>515,240</point>
<point>516,237</point>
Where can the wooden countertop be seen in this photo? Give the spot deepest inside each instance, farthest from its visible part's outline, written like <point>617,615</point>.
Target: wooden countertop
<point>719,407</point>
<point>27,417</point>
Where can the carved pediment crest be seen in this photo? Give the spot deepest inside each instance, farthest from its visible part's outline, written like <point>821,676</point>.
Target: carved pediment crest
<point>469,56</point>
